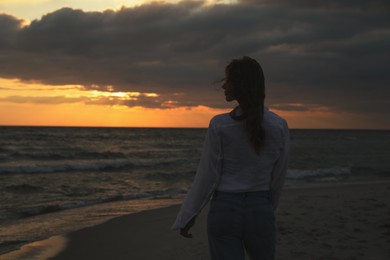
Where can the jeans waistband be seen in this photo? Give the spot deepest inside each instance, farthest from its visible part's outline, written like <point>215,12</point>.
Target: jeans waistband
<point>263,193</point>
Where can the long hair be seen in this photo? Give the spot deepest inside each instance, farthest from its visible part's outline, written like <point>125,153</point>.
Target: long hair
<point>247,79</point>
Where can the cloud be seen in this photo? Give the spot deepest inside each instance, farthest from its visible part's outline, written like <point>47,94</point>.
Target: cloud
<point>76,94</point>
<point>41,100</point>
<point>330,54</point>
<point>295,107</point>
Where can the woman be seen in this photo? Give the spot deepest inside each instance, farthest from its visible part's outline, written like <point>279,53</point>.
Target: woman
<point>242,167</point>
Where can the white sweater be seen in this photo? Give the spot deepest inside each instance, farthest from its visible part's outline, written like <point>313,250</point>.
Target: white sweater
<point>229,163</point>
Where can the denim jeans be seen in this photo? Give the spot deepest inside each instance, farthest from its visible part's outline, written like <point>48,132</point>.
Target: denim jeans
<point>239,222</point>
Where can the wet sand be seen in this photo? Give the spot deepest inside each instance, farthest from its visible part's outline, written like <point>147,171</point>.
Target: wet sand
<point>347,221</point>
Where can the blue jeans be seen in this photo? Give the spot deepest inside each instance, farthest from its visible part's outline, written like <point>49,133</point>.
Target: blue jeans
<point>239,222</point>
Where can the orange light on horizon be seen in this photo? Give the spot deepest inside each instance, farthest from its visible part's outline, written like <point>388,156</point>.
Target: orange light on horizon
<point>79,114</point>
<point>72,105</point>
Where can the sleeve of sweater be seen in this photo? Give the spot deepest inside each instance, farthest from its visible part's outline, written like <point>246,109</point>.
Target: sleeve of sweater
<point>206,179</point>
<point>280,169</point>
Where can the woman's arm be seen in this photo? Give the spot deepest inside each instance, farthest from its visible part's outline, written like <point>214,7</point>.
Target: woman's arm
<point>280,169</point>
<point>205,182</point>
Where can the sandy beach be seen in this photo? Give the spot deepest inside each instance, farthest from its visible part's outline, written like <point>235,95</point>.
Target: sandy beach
<point>346,221</point>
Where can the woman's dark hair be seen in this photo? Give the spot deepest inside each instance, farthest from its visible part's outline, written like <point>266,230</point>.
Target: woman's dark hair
<point>246,77</point>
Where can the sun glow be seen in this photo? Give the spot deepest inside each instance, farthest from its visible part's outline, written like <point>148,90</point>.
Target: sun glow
<point>120,95</point>
<point>12,88</point>
<point>24,103</point>
<point>28,103</point>
<point>79,114</point>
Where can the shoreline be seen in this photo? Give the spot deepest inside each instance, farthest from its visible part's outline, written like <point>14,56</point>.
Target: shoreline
<point>342,221</point>
<point>44,226</point>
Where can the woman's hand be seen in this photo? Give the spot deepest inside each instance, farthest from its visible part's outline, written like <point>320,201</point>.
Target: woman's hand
<point>184,231</point>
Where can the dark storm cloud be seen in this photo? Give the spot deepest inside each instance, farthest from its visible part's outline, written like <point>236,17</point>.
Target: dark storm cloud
<point>330,54</point>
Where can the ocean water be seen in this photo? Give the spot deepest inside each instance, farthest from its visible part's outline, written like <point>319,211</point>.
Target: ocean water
<point>57,179</point>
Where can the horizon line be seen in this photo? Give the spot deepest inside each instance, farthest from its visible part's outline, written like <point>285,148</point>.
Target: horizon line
<point>185,127</point>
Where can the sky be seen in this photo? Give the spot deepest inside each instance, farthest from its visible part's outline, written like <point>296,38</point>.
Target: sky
<point>159,64</point>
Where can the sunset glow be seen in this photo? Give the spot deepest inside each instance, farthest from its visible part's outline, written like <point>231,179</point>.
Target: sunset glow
<point>72,105</point>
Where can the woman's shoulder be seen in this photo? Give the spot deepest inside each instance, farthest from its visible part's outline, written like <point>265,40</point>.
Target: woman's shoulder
<point>273,120</point>
<point>223,124</point>
<point>221,119</point>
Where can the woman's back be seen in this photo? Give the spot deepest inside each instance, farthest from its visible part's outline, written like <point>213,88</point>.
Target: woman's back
<point>243,169</point>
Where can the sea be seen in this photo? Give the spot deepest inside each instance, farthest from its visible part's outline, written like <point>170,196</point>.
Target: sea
<point>55,180</point>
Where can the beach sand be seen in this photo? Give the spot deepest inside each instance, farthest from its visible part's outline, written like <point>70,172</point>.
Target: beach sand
<point>347,221</point>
